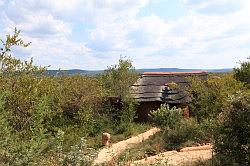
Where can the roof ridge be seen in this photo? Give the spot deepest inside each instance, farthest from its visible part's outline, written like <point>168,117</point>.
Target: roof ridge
<point>171,73</point>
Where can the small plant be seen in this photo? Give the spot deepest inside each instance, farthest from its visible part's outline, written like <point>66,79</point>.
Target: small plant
<point>80,155</point>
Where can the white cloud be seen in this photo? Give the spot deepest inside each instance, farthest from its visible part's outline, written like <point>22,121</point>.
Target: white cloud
<point>58,52</point>
<point>197,37</point>
<point>215,6</point>
<point>208,36</point>
<point>1,2</point>
<point>48,33</point>
<point>34,22</point>
<point>48,25</point>
<point>201,40</point>
<point>109,11</point>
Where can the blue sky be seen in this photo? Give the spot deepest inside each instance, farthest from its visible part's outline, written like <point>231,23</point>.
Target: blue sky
<point>93,34</point>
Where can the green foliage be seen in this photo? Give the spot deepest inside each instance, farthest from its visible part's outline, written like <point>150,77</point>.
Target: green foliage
<point>124,122</point>
<point>232,137</point>
<point>167,117</point>
<point>34,107</point>
<point>80,155</point>
<point>5,132</point>
<point>26,146</point>
<point>23,117</point>
<point>210,97</point>
<point>186,131</point>
<point>10,65</point>
<point>12,40</point>
<point>128,112</point>
<point>179,132</point>
<point>243,72</point>
<point>36,110</point>
<point>117,79</point>
<point>80,97</point>
<point>221,105</point>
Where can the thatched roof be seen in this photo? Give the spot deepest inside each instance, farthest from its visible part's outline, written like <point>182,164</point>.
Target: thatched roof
<point>167,87</point>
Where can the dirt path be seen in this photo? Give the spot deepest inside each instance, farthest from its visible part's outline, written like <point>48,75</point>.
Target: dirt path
<point>188,154</point>
<point>108,153</point>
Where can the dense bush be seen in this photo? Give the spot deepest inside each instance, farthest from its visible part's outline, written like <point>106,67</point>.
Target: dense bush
<point>24,112</point>
<point>117,79</point>
<point>187,133</point>
<point>35,108</point>
<point>179,132</point>
<point>243,72</point>
<point>69,98</point>
<point>219,100</point>
<point>26,146</point>
<point>221,105</point>
<point>43,117</point>
<point>232,137</point>
<point>125,119</point>
<point>167,117</point>
<point>210,97</point>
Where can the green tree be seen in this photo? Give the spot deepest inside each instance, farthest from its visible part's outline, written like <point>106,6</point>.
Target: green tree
<point>24,112</point>
<point>210,97</point>
<point>232,137</point>
<point>34,107</point>
<point>243,72</point>
<point>11,65</point>
<point>117,79</point>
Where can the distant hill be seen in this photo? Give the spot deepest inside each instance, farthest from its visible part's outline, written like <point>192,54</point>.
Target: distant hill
<point>95,72</point>
<point>74,71</point>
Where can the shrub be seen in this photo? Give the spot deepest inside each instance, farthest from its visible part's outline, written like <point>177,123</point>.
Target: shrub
<point>79,93</point>
<point>210,97</point>
<point>189,132</point>
<point>185,131</point>
<point>80,155</point>
<point>128,111</point>
<point>206,130</point>
<point>35,107</point>
<point>232,138</point>
<point>243,72</point>
<point>28,146</point>
<point>167,117</point>
<point>117,79</point>
<point>178,131</point>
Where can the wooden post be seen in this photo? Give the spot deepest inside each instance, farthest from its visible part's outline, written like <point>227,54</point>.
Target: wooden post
<point>186,112</point>
<point>105,139</point>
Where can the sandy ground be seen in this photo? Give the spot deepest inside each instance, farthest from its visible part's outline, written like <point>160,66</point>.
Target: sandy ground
<point>106,154</point>
<point>188,154</point>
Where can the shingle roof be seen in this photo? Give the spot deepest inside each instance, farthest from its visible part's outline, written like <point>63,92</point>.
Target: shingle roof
<point>155,86</point>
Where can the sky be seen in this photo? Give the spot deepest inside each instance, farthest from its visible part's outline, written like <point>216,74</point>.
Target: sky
<point>94,34</point>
